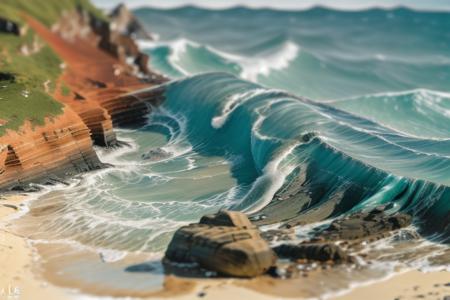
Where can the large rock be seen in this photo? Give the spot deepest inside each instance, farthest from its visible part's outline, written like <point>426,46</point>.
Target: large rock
<point>365,225</point>
<point>226,242</point>
<point>123,21</point>
<point>116,37</point>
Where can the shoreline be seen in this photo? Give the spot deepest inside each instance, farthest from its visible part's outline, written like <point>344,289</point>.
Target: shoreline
<point>17,279</point>
<point>408,285</point>
<point>21,278</point>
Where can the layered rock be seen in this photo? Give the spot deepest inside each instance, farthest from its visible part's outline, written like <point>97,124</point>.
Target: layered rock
<point>99,76</point>
<point>123,21</point>
<point>365,225</point>
<point>115,37</point>
<point>99,80</point>
<point>96,118</point>
<point>3,154</point>
<point>226,242</point>
<point>132,109</point>
<point>44,154</point>
<point>316,252</point>
<point>343,236</point>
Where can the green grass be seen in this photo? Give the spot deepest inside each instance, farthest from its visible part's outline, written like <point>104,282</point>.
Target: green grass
<point>19,103</point>
<point>65,90</point>
<point>25,97</point>
<point>46,11</point>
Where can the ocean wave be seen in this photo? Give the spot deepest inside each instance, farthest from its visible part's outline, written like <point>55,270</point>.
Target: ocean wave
<point>421,112</point>
<point>183,52</point>
<point>238,145</point>
<point>253,67</point>
<point>359,163</point>
<point>318,53</point>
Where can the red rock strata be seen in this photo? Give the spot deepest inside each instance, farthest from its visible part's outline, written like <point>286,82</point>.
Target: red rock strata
<point>97,79</point>
<point>96,76</point>
<point>61,147</point>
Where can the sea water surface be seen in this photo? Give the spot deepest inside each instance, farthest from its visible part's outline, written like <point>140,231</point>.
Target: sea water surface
<point>357,104</point>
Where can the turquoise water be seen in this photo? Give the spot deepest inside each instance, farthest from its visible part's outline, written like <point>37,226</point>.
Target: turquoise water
<point>318,53</point>
<point>376,126</point>
<point>238,125</point>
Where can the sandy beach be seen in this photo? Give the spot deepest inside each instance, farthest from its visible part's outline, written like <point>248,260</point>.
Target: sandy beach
<point>19,278</point>
<point>409,285</point>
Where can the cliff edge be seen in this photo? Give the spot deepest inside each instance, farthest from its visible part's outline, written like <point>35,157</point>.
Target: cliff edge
<point>64,70</point>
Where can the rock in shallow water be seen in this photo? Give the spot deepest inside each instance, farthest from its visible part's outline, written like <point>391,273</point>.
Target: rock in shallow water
<point>156,154</point>
<point>319,252</point>
<point>225,242</point>
<point>365,225</point>
<point>354,228</point>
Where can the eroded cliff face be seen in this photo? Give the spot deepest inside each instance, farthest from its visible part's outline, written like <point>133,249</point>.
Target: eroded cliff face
<point>115,37</point>
<point>45,154</point>
<point>97,79</point>
<point>100,85</point>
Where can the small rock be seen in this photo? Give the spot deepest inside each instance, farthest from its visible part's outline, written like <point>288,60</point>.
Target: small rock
<point>156,154</point>
<point>201,294</point>
<point>278,234</point>
<point>317,252</point>
<point>11,206</point>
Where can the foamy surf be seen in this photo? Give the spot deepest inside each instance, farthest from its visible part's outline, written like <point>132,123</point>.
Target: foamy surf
<point>251,67</point>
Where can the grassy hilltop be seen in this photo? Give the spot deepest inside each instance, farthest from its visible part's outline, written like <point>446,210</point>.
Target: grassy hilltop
<point>28,67</point>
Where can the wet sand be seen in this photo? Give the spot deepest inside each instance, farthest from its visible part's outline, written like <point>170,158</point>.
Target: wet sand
<point>17,278</point>
<point>20,276</point>
<point>409,285</point>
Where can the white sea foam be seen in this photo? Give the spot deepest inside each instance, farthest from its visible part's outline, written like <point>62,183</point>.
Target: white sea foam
<point>110,255</point>
<point>273,177</point>
<point>252,67</point>
<point>420,91</point>
<point>177,49</point>
<point>232,103</point>
<point>261,117</point>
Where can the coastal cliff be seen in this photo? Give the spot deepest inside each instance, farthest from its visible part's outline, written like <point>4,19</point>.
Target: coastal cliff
<point>62,147</point>
<point>67,76</point>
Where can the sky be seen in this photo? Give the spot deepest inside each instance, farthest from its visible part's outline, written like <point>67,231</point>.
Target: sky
<point>283,4</point>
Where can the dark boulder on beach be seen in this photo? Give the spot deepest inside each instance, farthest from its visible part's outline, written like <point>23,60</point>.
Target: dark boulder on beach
<point>227,218</point>
<point>365,225</point>
<point>351,229</point>
<point>226,242</point>
<point>315,252</point>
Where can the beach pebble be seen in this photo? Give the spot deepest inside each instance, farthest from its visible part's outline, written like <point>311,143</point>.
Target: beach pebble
<point>201,294</point>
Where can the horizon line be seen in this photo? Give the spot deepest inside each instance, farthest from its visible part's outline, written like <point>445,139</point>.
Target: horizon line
<point>295,7</point>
